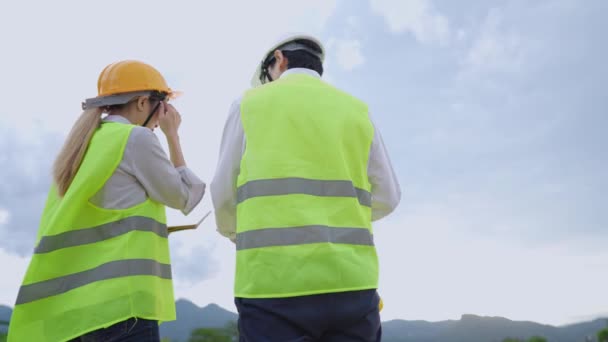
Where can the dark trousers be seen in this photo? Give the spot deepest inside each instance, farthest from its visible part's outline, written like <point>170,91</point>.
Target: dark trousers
<point>131,330</point>
<point>334,317</point>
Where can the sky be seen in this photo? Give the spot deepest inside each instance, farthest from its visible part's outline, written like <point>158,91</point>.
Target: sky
<point>491,112</point>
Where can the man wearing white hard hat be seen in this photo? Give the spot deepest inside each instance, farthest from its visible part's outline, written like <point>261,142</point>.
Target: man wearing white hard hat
<point>302,173</point>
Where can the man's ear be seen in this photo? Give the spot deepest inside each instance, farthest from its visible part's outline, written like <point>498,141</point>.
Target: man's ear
<point>281,60</point>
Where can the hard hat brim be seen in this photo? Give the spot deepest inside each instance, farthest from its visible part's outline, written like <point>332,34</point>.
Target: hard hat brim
<point>120,99</point>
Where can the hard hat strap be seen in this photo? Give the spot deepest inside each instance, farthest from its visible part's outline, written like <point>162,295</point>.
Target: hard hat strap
<point>157,96</point>
<point>265,75</point>
<point>151,114</point>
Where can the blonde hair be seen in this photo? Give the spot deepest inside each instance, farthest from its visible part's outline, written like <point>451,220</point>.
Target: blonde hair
<point>70,157</point>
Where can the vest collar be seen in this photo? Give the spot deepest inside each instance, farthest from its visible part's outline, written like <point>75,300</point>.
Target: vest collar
<point>117,118</point>
<point>304,71</point>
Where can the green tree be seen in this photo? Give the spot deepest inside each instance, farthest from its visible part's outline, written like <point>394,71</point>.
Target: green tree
<point>537,339</point>
<point>210,335</point>
<point>3,335</point>
<point>229,333</point>
<point>510,339</point>
<point>232,329</point>
<point>602,335</point>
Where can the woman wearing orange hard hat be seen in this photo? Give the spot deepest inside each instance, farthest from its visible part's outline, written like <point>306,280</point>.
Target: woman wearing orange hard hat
<point>101,269</point>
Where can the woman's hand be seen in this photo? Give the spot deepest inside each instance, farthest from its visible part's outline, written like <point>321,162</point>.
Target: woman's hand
<point>169,119</point>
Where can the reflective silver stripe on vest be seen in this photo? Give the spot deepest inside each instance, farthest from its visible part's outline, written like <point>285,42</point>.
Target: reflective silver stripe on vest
<point>100,233</point>
<point>288,186</point>
<point>271,237</point>
<point>110,270</point>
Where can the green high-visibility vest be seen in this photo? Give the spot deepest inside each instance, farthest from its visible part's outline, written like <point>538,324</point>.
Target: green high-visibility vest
<point>303,194</point>
<point>94,267</point>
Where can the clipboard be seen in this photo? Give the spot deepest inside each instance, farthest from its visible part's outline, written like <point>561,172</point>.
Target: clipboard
<point>173,229</point>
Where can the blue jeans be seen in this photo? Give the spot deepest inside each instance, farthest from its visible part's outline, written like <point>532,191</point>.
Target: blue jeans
<point>333,317</point>
<point>131,330</point>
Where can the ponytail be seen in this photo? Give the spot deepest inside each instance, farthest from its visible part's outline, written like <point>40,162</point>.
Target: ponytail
<point>70,157</point>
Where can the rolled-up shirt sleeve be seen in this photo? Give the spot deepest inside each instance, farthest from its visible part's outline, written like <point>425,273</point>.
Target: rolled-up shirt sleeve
<point>177,188</point>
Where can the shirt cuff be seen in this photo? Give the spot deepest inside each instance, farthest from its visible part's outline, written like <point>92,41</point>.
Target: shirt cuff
<point>196,188</point>
<point>230,235</point>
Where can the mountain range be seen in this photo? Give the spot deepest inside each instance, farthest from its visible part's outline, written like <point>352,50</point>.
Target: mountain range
<point>469,328</point>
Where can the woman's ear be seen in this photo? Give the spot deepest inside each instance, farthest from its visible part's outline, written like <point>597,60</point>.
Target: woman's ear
<point>141,103</point>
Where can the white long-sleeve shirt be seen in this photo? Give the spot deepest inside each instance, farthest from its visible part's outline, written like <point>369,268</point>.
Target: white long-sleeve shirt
<point>146,171</point>
<point>386,192</point>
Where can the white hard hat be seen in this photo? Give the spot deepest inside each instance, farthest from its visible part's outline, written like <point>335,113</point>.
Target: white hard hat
<point>284,44</point>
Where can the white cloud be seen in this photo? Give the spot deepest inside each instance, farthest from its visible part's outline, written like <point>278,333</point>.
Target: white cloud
<point>495,48</point>
<point>348,54</point>
<point>219,288</point>
<point>415,16</point>
<point>352,21</point>
<point>193,256</point>
<point>13,269</point>
<point>461,35</point>
<point>25,172</point>
<point>311,15</point>
<point>5,216</point>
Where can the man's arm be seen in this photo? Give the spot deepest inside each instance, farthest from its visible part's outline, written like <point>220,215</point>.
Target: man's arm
<point>386,192</point>
<point>223,186</point>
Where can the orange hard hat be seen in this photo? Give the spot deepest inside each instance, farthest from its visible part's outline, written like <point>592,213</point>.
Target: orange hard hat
<point>120,82</point>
